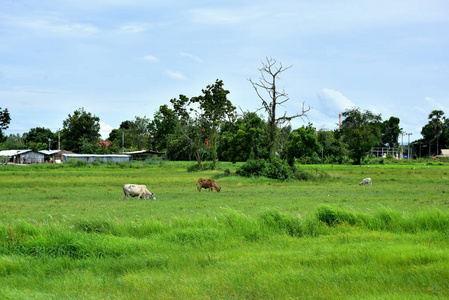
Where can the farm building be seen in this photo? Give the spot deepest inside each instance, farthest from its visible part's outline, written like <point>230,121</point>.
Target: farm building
<point>90,158</point>
<point>54,155</point>
<point>143,154</point>
<point>444,153</point>
<point>27,156</point>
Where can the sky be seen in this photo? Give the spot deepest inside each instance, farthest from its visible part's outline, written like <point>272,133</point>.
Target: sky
<point>122,59</point>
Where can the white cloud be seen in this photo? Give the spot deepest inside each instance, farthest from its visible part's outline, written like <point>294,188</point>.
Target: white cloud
<point>105,129</point>
<point>132,28</point>
<point>191,56</point>
<point>175,75</point>
<point>150,58</point>
<point>216,16</point>
<point>54,26</point>
<point>333,101</point>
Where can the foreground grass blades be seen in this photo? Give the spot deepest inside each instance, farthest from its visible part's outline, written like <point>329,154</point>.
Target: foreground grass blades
<point>66,235</point>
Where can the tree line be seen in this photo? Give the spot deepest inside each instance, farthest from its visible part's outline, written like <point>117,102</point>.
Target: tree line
<point>209,128</point>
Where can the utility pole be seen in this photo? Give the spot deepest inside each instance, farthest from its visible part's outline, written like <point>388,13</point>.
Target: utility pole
<point>408,154</point>
<point>123,140</point>
<point>49,144</point>
<point>402,142</point>
<point>59,140</point>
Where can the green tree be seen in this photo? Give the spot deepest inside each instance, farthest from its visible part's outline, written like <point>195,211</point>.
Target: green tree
<point>437,120</point>
<point>390,132</point>
<point>361,132</point>
<point>200,117</point>
<point>303,143</point>
<point>162,126</point>
<point>333,148</point>
<point>140,133</point>
<point>436,132</point>
<point>119,139</point>
<point>244,138</point>
<point>267,83</point>
<point>39,137</point>
<point>5,119</point>
<point>215,109</point>
<point>192,128</point>
<point>13,142</point>
<point>78,129</point>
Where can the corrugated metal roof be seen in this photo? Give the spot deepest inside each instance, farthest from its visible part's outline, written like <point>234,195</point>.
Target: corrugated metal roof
<point>13,152</point>
<point>49,152</point>
<point>144,151</point>
<point>96,155</point>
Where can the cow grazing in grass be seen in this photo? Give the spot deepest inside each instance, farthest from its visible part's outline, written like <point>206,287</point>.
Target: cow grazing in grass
<point>134,190</point>
<point>210,184</point>
<point>366,181</point>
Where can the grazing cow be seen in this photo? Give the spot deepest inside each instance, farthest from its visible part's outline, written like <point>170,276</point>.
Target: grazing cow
<point>366,181</point>
<point>134,190</point>
<point>210,184</point>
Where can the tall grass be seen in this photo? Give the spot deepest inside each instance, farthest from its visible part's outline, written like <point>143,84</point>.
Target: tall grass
<point>66,234</point>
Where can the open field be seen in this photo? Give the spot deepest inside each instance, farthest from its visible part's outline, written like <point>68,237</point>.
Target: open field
<point>65,234</point>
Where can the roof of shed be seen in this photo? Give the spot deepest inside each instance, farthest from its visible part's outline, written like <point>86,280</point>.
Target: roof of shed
<point>14,152</point>
<point>144,151</point>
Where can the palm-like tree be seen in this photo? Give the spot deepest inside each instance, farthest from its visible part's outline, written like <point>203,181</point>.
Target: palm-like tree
<point>436,119</point>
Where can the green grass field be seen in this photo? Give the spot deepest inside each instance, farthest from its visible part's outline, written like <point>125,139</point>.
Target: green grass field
<point>66,234</point>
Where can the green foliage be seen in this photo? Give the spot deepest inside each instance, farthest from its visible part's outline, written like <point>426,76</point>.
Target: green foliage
<point>13,141</point>
<point>253,167</point>
<point>277,168</point>
<point>5,119</point>
<point>361,132</point>
<point>303,144</point>
<point>390,132</point>
<point>38,138</point>
<point>257,238</point>
<point>243,139</point>
<point>436,132</point>
<point>73,162</point>
<point>283,223</point>
<point>202,167</point>
<point>80,130</point>
<point>163,125</point>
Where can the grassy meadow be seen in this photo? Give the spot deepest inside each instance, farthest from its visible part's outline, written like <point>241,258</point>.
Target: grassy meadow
<point>65,233</point>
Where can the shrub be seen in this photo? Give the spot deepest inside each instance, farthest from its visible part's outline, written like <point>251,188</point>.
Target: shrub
<point>277,168</point>
<point>73,162</point>
<point>253,167</point>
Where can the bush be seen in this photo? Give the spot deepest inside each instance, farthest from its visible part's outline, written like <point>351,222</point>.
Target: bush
<point>253,167</point>
<point>73,162</point>
<point>277,168</point>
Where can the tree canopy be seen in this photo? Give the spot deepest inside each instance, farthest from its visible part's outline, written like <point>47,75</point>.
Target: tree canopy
<point>79,130</point>
<point>361,132</point>
<point>5,119</point>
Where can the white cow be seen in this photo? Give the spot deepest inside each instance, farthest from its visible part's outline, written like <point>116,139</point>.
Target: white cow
<point>366,181</point>
<point>134,190</point>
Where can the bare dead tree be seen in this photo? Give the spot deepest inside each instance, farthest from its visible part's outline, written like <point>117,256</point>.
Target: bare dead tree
<point>270,72</point>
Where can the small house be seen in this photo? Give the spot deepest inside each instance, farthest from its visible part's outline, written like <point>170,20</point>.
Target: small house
<point>27,156</point>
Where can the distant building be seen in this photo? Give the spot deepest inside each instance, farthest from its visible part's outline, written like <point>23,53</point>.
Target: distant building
<point>55,156</point>
<point>90,158</point>
<point>26,156</point>
<point>104,144</point>
<point>142,154</point>
<point>444,153</point>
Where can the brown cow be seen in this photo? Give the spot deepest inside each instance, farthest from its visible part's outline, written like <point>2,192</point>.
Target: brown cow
<point>210,184</point>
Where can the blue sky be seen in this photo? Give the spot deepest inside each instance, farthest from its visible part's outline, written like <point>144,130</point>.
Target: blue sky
<point>124,58</point>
